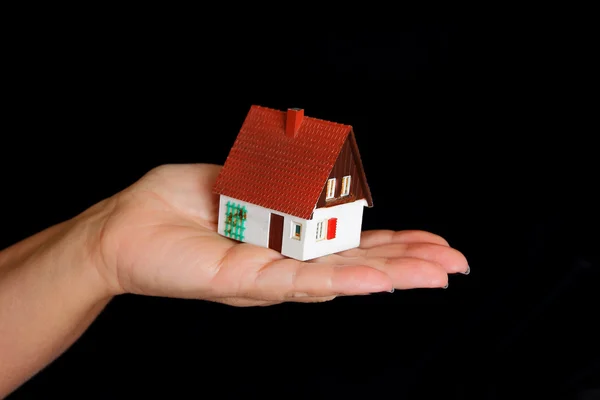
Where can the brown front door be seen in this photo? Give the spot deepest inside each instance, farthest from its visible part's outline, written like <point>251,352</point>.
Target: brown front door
<point>276,232</point>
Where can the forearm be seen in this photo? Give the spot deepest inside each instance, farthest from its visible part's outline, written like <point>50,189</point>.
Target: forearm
<point>50,292</point>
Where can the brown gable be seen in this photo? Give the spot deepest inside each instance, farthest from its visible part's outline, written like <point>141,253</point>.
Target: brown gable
<point>348,163</point>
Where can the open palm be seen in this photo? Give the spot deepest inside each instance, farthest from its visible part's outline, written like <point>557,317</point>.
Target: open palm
<point>159,238</point>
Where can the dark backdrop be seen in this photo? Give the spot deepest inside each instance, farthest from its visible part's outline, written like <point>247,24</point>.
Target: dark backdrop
<point>461,134</point>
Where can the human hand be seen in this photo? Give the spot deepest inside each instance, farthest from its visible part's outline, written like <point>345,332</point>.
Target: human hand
<point>159,237</point>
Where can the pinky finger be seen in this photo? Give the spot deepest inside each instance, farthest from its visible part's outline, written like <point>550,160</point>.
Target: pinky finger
<point>244,302</point>
<point>311,299</point>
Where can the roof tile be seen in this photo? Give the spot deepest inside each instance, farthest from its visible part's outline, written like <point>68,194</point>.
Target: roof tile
<point>267,168</point>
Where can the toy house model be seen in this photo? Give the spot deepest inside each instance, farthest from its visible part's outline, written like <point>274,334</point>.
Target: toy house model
<point>293,184</point>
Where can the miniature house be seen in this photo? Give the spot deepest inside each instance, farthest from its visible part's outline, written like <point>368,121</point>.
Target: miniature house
<point>294,184</point>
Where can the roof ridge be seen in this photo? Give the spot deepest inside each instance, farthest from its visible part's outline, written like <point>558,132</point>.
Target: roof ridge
<point>306,116</point>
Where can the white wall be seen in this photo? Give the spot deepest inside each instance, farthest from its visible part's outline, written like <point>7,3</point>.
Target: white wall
<point>292,247</point>
<point>349,227</point>
<point>257,222</point>
<point>257,227</point>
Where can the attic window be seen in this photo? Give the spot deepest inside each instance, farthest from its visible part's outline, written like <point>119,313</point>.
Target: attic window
<point>345,186</point>
<point>330,189</point>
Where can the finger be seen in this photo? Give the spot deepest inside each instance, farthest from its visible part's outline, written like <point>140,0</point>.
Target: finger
<point>405,272</point>
<point>245,302</point>
<point>310,299</point>
<point>382,237</point>
<point>288,278</point>
<point>450,259</point>
<point>414,273</point>
<point>248,302</point>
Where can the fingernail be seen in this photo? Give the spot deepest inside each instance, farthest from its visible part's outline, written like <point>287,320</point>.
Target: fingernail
<point>446,287</point>
<point>392,291</point>
<point>468,271</point>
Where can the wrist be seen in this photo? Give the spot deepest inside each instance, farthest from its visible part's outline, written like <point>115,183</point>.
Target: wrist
<point>71,264</point>
<point>59,257</point>
<point>86,237</point>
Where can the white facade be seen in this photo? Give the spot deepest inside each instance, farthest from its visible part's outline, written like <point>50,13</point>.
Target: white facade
<point>313,240</point>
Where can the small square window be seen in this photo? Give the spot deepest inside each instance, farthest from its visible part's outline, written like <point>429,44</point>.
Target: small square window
<point>330,189</point>
<point>345,186</point>
<point>296,230</point>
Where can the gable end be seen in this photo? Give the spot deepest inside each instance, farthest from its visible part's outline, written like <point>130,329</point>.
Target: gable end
<point>350,164</point>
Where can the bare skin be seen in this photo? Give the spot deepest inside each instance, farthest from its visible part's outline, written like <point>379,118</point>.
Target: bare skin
<point>158,237</point>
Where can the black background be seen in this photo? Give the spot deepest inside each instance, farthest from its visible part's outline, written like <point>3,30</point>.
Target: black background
<point>466,133</point>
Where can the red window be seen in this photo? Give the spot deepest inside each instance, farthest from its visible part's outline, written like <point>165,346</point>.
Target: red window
<point>331,228</point>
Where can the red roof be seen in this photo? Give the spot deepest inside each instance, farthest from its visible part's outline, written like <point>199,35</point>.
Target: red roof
<point>282,173</point>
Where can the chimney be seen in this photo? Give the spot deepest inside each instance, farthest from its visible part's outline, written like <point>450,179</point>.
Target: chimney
<point>293,121</point>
